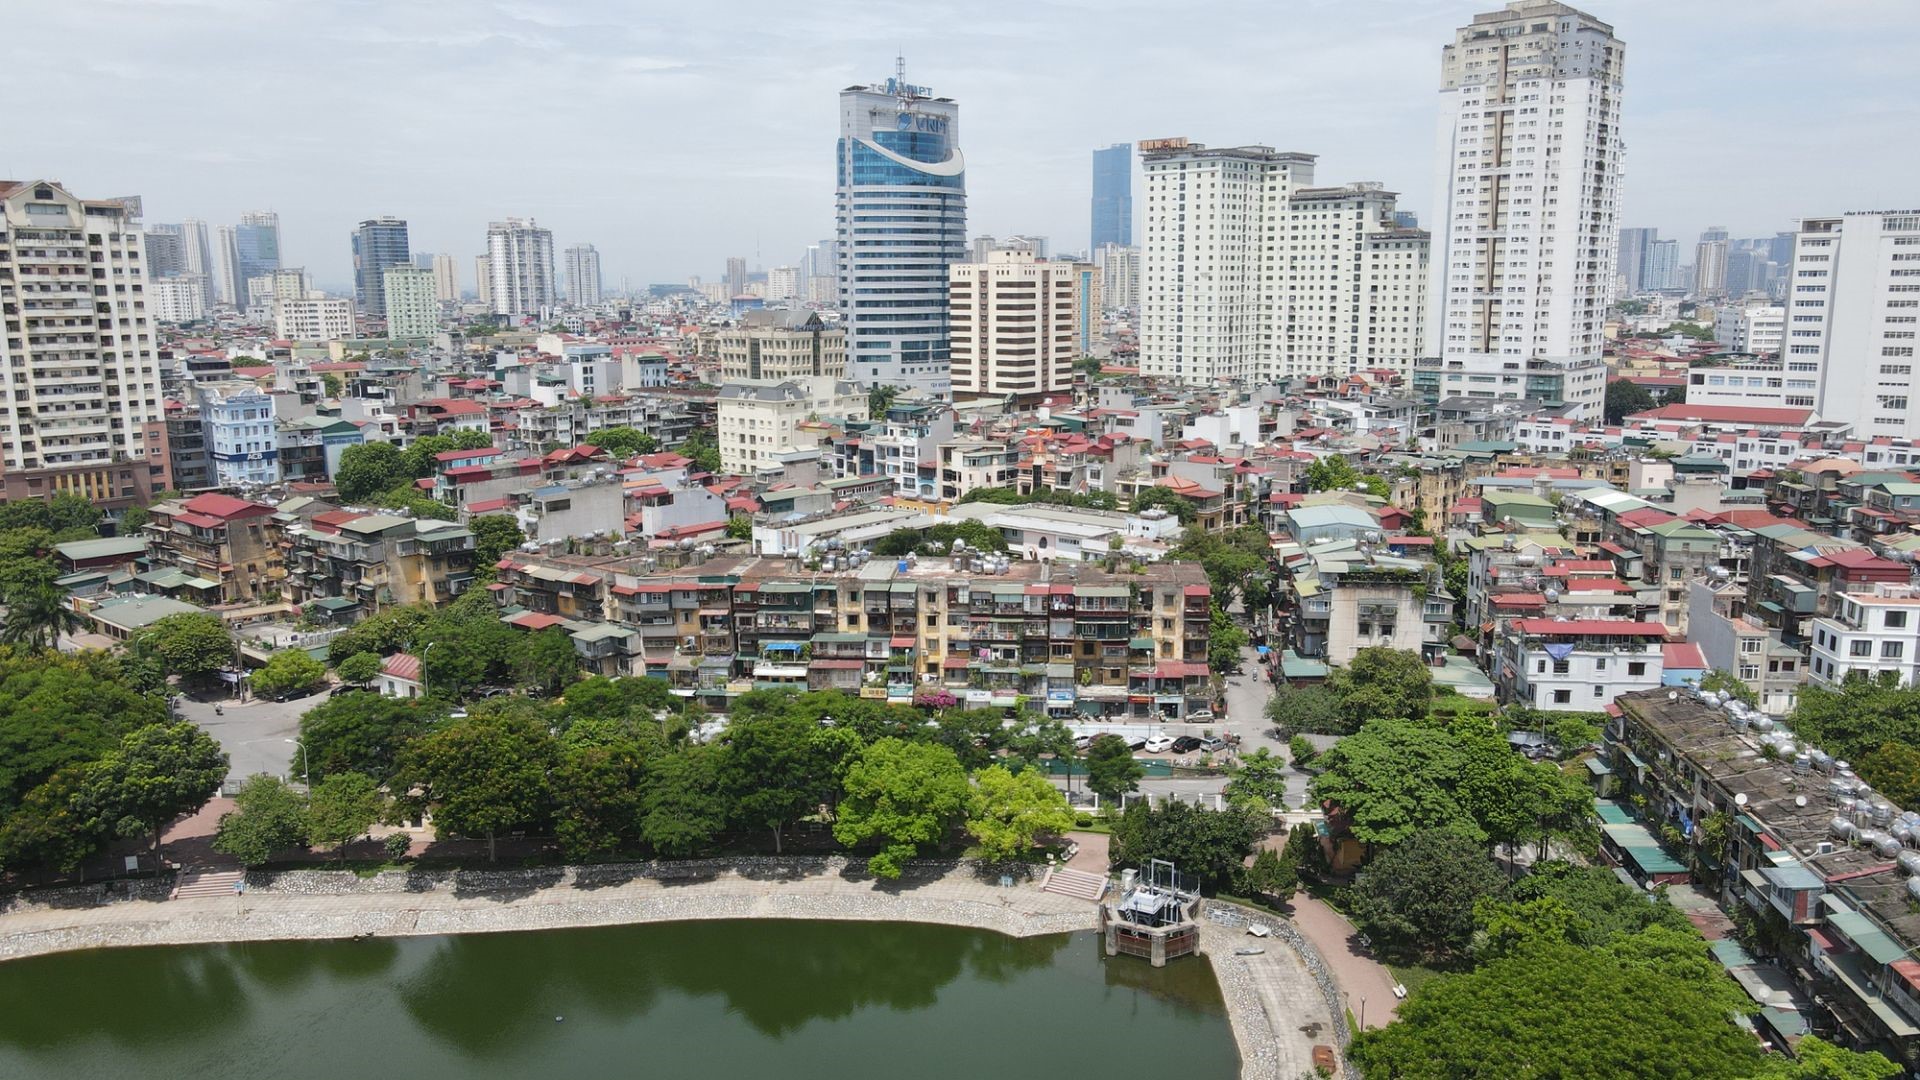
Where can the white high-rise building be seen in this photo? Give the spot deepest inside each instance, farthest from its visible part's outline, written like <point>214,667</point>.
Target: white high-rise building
<point>81,388</point>
<point>178,299</point>
<point>783,284</point>
<point>1750,327</point>
<point>199,254</point>
<point>900,204</point>
<point>228,286</point>
<point>413,303</point>
<point>1526,228</point>
<point>1250,272</point>
<point>1016,324</point>
<point>583,275</point>
<point>320,318</point>
<point>446,285</point>
<point>519,267</point>
<point>1119,275</point>
<point>1853,318</point>
<point>1710,263</point>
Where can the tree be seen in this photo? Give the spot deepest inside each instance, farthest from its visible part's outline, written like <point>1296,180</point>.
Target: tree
<point>1815,1058</point>
<point>771,770</point>
<point>1861,716</point>
<point>358,669</point>
<point>1304,853</point>
<point>1111,768</point>
<point>1166,499</point>
<point>545,661</point>
<point>343,807</point>
<point>482,775</point>
<point>156,774</point>
<point>740,527</point>
<point>1418,896</point>
<point>59,513</point>
<point>880,399</point>
<point>458,655</point>
<point>1624,398</point>
<point>1331,472</point>
<point>368,469</point>
<point>384,634</point>
<point>1008,811</point>
<point>1893,770</point>
<point>494,535</point>
<point>60,711</point>
<point>1225,641</point>
<point>288,669</point>
<point>38,615</point>
<point>623,442</point>
<point>363,733</point>
<point>1308,710</point>
<point>1719,680</point>
<point>598,796</point>
<point>1271,876</point>
<point>1208,847</point>
<point>683,808</point>
<point>1392,779</point>
<point>1561,1011</point>
<point>701,447</point>
<point>1259,782</point>
<point>1600,906</point>
<point>906,794</point>
<point>1383,683</point>
<point>191,645</point>
<point>53,825</point>
<point>268,817</point>
<point>1006,496</point>
<point>332,385</point>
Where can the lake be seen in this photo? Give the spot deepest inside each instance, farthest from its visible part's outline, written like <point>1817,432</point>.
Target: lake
<point>775,998</point>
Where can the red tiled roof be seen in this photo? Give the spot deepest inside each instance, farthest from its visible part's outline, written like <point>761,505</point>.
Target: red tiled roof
<point>535,620</point>
<point>901,643</point>
<point>1519,599</point>
<point>1683,654</point>
<point>1590,628</point>
<point>214,504</point>
<point>486,506</point>
<point>456,455</point>
<point>199,521</point>
<point>402,666</point>
<point>1726,414</point>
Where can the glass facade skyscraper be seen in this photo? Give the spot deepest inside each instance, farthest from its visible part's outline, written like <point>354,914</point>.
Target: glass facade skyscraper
<point>378,243</point>
<point>1113,196</point>
<point>900,212</point>
<point>256,242</point>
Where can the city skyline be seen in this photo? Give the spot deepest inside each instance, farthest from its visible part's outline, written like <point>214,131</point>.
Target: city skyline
<point>752,176</point>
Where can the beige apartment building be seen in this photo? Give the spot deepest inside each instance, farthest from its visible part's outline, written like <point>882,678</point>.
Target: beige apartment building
<point>1015,324</point>
<point>781,345</point>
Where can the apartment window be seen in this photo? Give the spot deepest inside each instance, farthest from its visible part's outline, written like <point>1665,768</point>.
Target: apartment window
<point>1599,691</point>
<point>1636,667</point>
<point>1562,697</point>
<point>1560,667</point>
<point>1892,650</point>
<point>1895,620</point>
<point>1860,648</point>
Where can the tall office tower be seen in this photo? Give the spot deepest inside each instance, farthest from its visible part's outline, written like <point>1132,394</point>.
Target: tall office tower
<point>900,204</point>
<point>1635,246</point>
<point>1780,248</point>
<point>1119,276</point>
<point>1853,316</point>
<point>583,275</point>
<point>198,252</point>
<point>1663,265</point>
<point>482,279</point>
<point>1530,158</point>
<point>736,275</point>
<point>1016,325</point>
<point>413,302</point>
<point>1112,196</point>
<point>82,407</point>
<point>446,285</point>
<point>377,244</point>
<point>1748,268</point>
<point>257,238</point>
<point>1710,263</point>
<point>519,267</point>
<point>166,252</point>
<point>228,286</point>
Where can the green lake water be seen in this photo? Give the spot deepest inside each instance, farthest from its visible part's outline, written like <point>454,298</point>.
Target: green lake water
<point>775,999</point>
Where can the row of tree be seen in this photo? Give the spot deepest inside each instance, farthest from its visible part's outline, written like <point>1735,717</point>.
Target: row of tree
<point>611,769</point>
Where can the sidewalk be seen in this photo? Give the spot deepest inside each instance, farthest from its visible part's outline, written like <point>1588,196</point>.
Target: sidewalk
<point>1361,978</point>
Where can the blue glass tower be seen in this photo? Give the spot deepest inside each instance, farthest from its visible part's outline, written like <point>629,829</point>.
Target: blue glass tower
<point>1113,196</point>
<point>900,216</point>
<point>258,242</point>
<point>378,243</point>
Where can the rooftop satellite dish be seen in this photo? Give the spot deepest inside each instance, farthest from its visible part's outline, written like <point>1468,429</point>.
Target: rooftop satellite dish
<point>1741,799</point>
<point>1800,801</point>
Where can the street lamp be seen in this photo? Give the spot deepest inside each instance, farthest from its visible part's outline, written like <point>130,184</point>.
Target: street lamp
<point>303,760</point>
<point>425,690</point>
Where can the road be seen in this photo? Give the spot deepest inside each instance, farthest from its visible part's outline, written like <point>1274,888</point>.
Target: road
<point>255,734</point>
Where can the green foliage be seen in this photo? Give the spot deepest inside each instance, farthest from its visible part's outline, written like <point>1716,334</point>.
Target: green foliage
<point>494,535</point>
<point>683,808</point>
<point>1624,398</point>
<point>1006,496</point>
<point>1259,782</point>
<point>157,773</point>
<point>61,512</point>
<point>1301,750</point>
<point>332,385</point>
<point>54,825</point>
<point>1236,562</point>
<point>1893,770</point>
<point>26,559</point>
<point>191,645</point>
<point>1418,896</point>
<point>397,844</point>
<point>701,447</point>
<point>545,661</point>
<point>1166,499</point>
<point>1225,641</point>
<point>482,776</point>
<point>1721,680</point>
<point>1562,1011</point>
<point>368,469</point>
<point>1206,846</point>
<point>880,399</point>
<point>407,497</point>
<point>61,711</point>
<point>1601,907</point>
<point>1395,778</point>
<point>1382,683</point>
<point>268,817</point>
<point>1112,770</point>
<point>1008,811</point>
<point>740,527</point>
<point>363,733</point>
<point>289,669</point>
<point>1271,876</point>
<point>1333,472</point>
<point>343,807</point>
<point>1817,1059</point>
<point>978,536</point>
<point>384,634</point>
<point>1308,710</point>
<point>37,615</point>
<point>623,442</point>
<point>1859,718</point>
<point>1304,853</point>
<point>598,796</point>
<point>909,795</point>
<point>358,669</point>
<point>774,768</point>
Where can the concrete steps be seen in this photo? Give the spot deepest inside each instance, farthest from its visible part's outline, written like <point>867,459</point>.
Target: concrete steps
<point>1075,883</point>
<point>193,883</point>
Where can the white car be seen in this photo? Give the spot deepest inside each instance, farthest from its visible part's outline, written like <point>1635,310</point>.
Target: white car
<point>1159,744</point>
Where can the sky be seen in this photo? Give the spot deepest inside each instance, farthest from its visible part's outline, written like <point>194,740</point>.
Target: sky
<point>673,137</point>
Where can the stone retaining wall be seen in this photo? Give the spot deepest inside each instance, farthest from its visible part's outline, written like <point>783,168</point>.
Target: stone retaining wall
<point>322,881</point>
<point>91,895</point>
<point>1280,929</point>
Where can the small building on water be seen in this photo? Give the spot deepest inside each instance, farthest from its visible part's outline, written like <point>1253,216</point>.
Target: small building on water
<point>1153,917</point>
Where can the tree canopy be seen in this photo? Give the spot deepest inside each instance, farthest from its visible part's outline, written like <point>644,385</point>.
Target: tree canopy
<point>288,669</point>
<point>1382,683</point>
<point>1112,770</point>
<point>482,775</point>
<point>1624,398</point>
<point>1206,846</point>
<point>367,469</point>
<point>191,645</point>
<point>623,442</point>
<point>1418,896</point>
<point>268,817</point>
<point>1167,499</point>
<point>1010,810</point>
<point>907,795</point>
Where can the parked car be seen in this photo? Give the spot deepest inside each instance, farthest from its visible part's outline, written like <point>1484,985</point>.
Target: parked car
<point>1081,742</point>
<point>1136,742</point>
<point>1213,745</point>
<point>349,688</point>
<point>1186,744</point>
<point>1159,744</point>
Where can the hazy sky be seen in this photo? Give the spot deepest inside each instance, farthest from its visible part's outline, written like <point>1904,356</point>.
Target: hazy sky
<point>672,137</point>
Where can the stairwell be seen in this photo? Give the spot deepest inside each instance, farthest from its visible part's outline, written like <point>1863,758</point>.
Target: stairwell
<point>197,883</point>
<point>1075,883</point>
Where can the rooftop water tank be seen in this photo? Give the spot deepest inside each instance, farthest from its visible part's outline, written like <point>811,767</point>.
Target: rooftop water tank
<point>1909,861</point>
<point>1886,846</point>
<point>1841,828</point>
<point>1913,887</point>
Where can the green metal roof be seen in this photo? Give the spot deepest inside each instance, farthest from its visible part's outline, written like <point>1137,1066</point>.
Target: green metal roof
<point>1872,940</point>
<point>1611,813</point>
<point>107,547</point>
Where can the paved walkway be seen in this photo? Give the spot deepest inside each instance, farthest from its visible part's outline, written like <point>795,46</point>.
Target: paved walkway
<point>1275,1007</point>
<point>1361,978</point>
